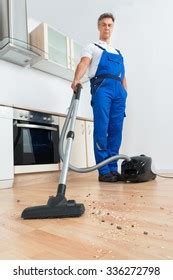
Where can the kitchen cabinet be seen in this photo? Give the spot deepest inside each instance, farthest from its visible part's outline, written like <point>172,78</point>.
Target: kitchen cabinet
<point>79,148</point>
<point>59,54</point>
<point>78,155</point>
<point>89,143</point>
<point>6,147</point>
<point>76,51</point>
<point>58,45</point>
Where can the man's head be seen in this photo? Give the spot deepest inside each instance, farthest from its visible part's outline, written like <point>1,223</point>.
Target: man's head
<point>105,26</point>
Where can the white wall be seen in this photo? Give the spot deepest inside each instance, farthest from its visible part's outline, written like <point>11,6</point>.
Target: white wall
<point>30,88</point>
<point>144,36</point>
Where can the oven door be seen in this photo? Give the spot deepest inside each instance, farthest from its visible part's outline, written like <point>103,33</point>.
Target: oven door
<point>35,143</point>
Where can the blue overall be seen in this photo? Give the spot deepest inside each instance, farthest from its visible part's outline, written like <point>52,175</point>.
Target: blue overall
<point>108,103</point>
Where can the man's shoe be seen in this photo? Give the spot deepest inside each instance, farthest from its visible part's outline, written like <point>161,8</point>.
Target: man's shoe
<point>108,177</point>
<point>117,175</point>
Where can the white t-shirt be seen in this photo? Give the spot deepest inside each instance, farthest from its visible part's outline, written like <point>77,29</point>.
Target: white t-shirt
<point>95,53</point>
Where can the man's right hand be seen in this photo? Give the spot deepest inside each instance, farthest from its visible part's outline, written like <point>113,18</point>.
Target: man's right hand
<point>74,84</point>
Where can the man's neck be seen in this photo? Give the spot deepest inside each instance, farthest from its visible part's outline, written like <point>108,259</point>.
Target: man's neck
<point>105,40</point>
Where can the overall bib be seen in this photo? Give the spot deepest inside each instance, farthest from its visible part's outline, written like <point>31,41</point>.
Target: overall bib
<point>108,103</point>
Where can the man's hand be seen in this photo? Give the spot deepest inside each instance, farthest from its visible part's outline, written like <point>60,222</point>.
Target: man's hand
<point>74,84</point>
<point>124,83</point>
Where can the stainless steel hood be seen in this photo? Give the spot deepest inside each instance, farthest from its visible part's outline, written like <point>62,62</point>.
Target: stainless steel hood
<point>14,45</point>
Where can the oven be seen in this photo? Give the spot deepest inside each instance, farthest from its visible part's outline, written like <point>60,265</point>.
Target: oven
<point>36,140</point>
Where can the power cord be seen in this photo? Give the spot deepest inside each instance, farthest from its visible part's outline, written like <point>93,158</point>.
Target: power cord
<point>163,176</point>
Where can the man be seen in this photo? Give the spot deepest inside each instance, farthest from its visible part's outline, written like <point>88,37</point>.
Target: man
<point>108,89</point>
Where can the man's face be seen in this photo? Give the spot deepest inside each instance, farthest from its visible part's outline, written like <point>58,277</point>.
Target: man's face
<point>105,27</point>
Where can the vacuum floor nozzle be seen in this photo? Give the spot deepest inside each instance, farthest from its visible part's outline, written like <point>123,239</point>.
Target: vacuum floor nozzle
<point>57,207</point>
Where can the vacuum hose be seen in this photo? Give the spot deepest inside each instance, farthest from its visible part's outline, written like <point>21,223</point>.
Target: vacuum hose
<point>71,115</point>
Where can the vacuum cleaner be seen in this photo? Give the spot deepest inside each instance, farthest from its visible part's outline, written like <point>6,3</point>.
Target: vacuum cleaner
<point>134,169</point>
<point>137,170</point>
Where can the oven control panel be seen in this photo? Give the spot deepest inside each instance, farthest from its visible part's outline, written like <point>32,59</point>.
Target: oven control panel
<point>33,116</point>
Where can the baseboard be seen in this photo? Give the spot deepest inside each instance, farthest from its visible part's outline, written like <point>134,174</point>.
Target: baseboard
<point>6,184</point>
<point>35,178</point>
<point>35,168</point>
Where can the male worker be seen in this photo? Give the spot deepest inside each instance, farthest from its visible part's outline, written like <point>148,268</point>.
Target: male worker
<point>108,89</point>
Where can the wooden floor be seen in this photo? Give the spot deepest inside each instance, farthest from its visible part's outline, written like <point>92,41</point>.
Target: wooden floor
<point>121,221</point>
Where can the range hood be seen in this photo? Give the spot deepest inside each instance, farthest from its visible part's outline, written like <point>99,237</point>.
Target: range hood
<point>14,45</point>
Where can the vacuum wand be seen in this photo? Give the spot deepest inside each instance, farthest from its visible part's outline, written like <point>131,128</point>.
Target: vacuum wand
<point>70,137</point>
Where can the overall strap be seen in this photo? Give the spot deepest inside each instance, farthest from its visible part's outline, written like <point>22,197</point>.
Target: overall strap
<point>105,49</point>
<point>118,52</point>
<point>99,47</point>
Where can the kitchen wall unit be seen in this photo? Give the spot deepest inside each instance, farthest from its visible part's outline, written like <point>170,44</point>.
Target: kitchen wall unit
<point>59,53</point>
<point>45,48</point>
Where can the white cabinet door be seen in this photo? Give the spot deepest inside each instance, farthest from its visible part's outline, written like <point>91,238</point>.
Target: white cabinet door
<point>89,143</point>
<point>6,149</point>
<point>78,153</point>
<point>76,53</point>
<point>58,47</point>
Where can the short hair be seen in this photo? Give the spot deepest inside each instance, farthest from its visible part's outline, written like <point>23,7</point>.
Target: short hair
<point>106,15</point>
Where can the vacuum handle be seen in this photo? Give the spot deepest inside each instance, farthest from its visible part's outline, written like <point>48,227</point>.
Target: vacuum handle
<point>77,91</point>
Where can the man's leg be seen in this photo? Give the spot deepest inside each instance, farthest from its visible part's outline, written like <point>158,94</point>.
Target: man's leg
<point>117,113</point>
<point>101,103</point>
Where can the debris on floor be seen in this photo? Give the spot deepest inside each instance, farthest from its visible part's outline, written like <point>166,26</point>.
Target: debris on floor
<point>118,227</point>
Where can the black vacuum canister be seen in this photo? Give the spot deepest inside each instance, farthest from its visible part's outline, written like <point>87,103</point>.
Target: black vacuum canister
<point>138,169</point>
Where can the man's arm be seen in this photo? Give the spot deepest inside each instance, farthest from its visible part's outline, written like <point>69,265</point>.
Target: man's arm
<point>80,71</point>
<point>124,83</point>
